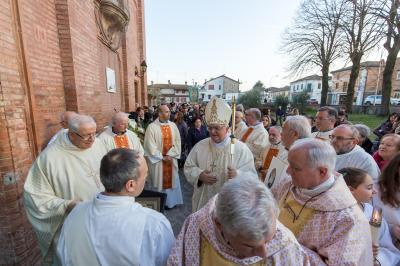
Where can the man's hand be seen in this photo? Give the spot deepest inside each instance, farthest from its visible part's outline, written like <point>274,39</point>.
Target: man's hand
<point>167,158</point>
<point>207,178</point>
<point>231,172</point>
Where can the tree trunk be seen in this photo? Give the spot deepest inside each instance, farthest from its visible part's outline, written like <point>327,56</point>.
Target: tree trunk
<point>355,70</point>
<point>325,85</point>
<point>387,81</point>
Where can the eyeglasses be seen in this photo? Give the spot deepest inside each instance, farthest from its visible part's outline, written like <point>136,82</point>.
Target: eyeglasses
<point>321,118</point>
<point>87,137</point>
<point>339,138</point>
<point>216,128</point>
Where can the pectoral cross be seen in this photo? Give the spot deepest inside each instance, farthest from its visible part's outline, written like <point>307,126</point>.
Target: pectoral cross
<point>93,174</point>
<point>213,165</point>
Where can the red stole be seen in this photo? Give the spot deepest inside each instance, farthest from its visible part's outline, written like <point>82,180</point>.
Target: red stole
<point>167,166</point>
<point>272,152</point>
<point>247,134</point>
<point>121,141</point>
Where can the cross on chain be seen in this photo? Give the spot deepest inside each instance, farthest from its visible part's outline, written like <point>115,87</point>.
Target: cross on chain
<point>93,174</point>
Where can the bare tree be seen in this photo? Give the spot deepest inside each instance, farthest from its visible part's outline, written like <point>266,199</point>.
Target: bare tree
<point>390,14</point>
<point>314,39</point>
<point>363,34</point>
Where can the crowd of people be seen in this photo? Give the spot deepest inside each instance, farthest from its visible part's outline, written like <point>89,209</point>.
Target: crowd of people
<point>283,190</point>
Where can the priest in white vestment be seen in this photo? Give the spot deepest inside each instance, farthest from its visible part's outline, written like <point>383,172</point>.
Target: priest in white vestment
<point>162,147</point>
<point>113,229</point>
<point>64,124</point>
<point>238,226</point>
<point>256,136</point>
<point>210,164</point>
<point>349,154</point>
<point>274,149</point>
<point>65,173</point>
<point>325,122</point>
<point>117,135</point>
<point>317,206</point>
<point>240,125</point>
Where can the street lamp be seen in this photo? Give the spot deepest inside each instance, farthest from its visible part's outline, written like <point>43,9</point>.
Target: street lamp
<point>143,69</point>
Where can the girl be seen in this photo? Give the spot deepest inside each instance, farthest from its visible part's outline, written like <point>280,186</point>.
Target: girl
<point>361,186</point>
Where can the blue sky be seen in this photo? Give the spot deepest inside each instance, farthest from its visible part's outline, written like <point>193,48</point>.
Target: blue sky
<point>188,40</point>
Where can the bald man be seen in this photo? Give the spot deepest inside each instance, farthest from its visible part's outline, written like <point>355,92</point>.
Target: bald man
<point>117,135</point>
<point>64,117</point>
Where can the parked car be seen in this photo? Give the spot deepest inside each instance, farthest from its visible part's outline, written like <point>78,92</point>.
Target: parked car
<point>378,100</point>
<point>312,101</point>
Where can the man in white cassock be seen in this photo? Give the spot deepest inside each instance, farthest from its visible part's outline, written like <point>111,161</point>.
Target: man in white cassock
<point>255,136</point>
<point>64,117</point>
<point>238,226</point>
<point>65,173</point>
<point>240,125</point>
<point>162,147</point>
<point>344,139</point>
<point>117,135</point>
<point>325,122</point>
<point>209,164</point>
<point>113,229</point>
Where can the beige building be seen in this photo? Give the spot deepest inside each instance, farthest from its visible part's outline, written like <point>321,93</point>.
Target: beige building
<point>369,82</point>
<point>168,93</point>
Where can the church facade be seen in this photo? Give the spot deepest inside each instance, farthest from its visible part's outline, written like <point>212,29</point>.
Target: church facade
<point>57,55</point>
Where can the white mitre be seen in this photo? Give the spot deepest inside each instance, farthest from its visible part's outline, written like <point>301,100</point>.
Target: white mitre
<point>218,112</point>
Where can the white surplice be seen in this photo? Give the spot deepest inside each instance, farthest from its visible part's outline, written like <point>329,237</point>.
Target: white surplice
<point>215,157</point>
<point>115,230</point>
<point>60,174</point>
<point>257,140</point>
<point>358,158</point>
<point>388,254</point>
<point>107,137</point>
<point>153,147</point>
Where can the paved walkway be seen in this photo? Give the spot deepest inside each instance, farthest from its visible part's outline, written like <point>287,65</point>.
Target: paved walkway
<point>177,215</point>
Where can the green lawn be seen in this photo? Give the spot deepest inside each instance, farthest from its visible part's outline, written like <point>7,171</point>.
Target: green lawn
<point>372,121</point>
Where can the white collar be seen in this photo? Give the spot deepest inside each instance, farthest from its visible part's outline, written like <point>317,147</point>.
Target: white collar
<point>222,143</point>
<point>327,184</point>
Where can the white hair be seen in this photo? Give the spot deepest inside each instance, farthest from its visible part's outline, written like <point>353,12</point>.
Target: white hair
<point>320,153</point>
<point>245,206</point>
<point>300,124</point>
<point>118,116</point>
<point>279,128</point>
<point>256,112</point>
<point>78,120</point>
<point>364,130</point>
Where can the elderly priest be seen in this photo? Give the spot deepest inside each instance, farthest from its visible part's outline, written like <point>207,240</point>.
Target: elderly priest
<point>237,227</point>
<point>317,206</point>
<point>65,173</point>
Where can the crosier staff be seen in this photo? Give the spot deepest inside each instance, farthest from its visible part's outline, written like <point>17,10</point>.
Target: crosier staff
<point>233,139</point>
